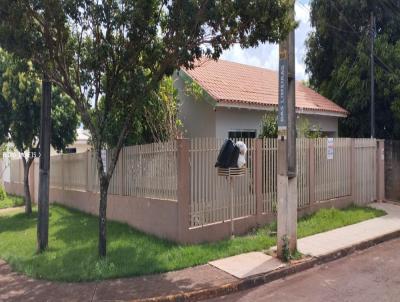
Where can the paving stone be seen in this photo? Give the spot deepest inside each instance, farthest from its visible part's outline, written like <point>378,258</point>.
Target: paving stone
<point>249,264</point>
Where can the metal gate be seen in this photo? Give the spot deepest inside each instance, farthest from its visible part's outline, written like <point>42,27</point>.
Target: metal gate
<point>392,170</point>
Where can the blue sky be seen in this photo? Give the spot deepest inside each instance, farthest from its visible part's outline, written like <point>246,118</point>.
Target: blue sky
<point>266,55</point>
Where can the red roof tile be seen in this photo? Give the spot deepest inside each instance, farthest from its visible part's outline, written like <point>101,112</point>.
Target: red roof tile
<point>229,82</point>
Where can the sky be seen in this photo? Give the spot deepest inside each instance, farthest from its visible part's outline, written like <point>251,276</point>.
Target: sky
<point>266,55</point>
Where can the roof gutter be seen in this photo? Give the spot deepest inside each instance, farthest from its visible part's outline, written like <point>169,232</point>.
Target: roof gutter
<point>274,108</point>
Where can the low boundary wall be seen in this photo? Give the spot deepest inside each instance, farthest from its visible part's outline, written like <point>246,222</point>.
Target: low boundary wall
<point>161,217</point>
<point>172,219</point>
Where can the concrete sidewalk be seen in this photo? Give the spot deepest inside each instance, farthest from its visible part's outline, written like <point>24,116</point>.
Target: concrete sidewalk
<point>337,239</point>
<point>218,278</point>
<point>255,263</point>
<point>18,287</point>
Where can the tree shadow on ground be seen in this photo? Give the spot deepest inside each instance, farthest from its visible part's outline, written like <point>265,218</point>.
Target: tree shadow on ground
<point>17,222</point>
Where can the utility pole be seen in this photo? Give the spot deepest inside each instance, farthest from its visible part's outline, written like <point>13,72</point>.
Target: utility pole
<point>372,65</point>
<point>286,178</point>
<point>44,167</point>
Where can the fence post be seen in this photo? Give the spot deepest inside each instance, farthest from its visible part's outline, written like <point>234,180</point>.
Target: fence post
<point>87,172</point>
<point>183,186</point>
<point>353,172</point>
<point>311,169</point>
<point>62,172</point>
<point>31,179</point>
<point>258,167</point>
<point>380,170</point>
<point>121,167</point>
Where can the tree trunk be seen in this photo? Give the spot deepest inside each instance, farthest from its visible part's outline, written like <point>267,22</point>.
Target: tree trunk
<point>104,183</point>
<point>27,193</point>
<point>44,167</point>
<point>105,173</point>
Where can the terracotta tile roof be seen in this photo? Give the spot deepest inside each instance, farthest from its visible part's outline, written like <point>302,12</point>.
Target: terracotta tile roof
<point>234,83</point>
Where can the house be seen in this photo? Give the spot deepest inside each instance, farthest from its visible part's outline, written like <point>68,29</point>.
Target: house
<point>234,99</point>
<point>81,144</point>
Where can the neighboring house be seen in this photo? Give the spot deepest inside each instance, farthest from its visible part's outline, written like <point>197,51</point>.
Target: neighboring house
<point>80,145</point>
<point>82,141</point>
<point>235,97</point>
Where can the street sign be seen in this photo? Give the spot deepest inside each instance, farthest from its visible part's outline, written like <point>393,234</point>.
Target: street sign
<point>283,88</point>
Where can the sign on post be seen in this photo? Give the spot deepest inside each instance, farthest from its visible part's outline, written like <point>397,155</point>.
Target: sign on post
<point>282,102</point>
<point>329,148</point>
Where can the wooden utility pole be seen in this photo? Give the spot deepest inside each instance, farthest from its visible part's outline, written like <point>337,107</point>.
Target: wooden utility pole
<point>287,180</point>
<point>44,167</point>
<point>372,65</point>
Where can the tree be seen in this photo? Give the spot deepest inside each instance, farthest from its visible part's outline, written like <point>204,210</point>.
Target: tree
<point>338,62</point>
<point>161,114</point>
<point>307,130</point>
<point>269,126</point>
<point>108,55</point>
<point>155,121</point>
<point>20,94</point>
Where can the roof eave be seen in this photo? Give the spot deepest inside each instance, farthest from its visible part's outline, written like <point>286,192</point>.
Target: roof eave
<point>273,107</point>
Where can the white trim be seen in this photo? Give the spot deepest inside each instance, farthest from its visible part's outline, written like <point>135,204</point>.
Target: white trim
<point>274,108</point>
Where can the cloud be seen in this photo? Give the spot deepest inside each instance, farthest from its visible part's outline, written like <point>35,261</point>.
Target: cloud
<point>266,55</point>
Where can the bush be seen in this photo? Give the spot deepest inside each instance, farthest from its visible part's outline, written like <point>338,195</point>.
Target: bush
<point>269,127</point>
<point>3,194</point>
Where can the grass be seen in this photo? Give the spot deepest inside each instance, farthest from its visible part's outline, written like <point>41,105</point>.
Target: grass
<point>11,201</point>
<point>72,255</point>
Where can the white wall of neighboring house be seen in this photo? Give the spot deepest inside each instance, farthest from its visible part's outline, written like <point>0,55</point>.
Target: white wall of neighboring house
<point>328,124</point>
<point>197,116</point>
<point>233,119</point>
<point>81,143</point>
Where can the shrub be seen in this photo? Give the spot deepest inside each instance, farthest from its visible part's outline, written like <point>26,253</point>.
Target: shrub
<point>3,194</point>
<point>269,127</point>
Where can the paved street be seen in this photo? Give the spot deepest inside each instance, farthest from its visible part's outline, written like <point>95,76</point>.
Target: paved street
<point>369,276</point>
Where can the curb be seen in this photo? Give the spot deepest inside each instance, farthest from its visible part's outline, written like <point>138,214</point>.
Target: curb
<point>257,280</point>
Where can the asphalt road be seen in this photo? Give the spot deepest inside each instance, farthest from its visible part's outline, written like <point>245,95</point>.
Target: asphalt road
<point>372,275</point>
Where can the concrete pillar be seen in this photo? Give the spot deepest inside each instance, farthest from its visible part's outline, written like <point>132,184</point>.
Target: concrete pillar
<point>87,171</point>
<point>121,172</point>
<point>32,181</point>
<point>311,167</point>
<point>258,164</point>
<point>380,170</point>
<point>287,204</point>
<point>183,178</point>
<point>62,172</point>
<point>353,169</point>
<point>287,180</point>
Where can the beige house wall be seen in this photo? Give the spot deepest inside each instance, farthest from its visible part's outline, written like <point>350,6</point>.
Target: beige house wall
<point>228,119</point>
<point>198,116</point>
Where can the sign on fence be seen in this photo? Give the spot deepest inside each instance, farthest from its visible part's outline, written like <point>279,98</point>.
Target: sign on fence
<point>329,148</point>
<point>104,159</point>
